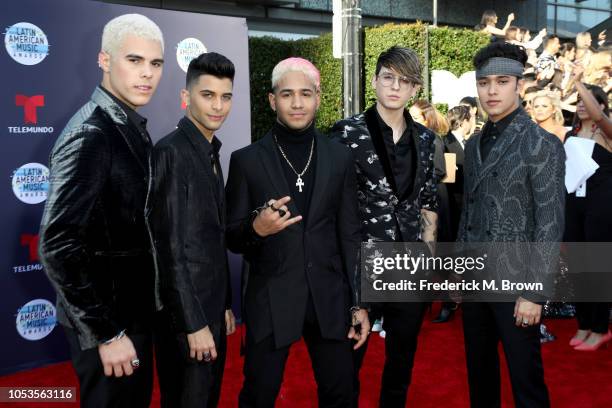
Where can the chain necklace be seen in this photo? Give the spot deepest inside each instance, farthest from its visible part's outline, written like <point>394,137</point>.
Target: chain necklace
<point>299,182</point>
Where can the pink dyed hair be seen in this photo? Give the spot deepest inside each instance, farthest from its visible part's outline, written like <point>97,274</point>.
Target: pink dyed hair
<point>296,64</point>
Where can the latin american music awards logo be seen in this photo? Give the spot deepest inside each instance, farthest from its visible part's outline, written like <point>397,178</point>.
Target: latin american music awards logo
<point>187,50</point>
<point>36,319</point>
<point>31,183</point>
<point>26,43</point>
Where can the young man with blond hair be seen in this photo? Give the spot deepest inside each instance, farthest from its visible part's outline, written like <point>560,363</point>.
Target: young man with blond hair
<point>93,239</point>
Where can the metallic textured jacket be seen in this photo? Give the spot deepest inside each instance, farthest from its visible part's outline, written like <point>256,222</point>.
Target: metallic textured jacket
<point>384,215</point>
<point>93,240</point>
<point>517,194</point>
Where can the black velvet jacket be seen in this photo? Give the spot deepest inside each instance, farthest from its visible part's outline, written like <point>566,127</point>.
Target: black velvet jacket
<point>186,216</point>
<point>93,241</point>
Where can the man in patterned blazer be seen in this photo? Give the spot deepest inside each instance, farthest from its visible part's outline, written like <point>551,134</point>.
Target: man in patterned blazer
<point>513,192</point>
<point>393,157</point>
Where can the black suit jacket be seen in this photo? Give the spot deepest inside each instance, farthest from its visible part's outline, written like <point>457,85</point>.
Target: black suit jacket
<point>386,214</point>
<point>93,240</point>
<point>186,217</point>
<point>517,194</point>
<point>320,255</point>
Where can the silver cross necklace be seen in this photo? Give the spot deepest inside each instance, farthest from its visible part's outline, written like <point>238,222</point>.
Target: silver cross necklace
<point>299,182</point>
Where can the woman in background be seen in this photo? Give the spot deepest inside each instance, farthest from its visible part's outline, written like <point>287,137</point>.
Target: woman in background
<point>588,217</point>
<point>488,22</point>
<point>479,116</point>
<point>567,55</point>
<point>546,112</point>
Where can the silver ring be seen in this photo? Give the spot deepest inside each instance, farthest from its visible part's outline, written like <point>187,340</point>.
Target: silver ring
<point>206,356</point>
<point>135,363</point>
<point>525,322</point>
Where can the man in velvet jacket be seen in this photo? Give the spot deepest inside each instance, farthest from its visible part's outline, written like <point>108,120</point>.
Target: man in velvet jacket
<point>393,157</point>
<point>292,213</point>
<point>93,240</point>
<point>186,216</point>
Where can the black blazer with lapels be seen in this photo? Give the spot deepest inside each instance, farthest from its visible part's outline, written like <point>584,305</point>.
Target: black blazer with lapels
<point>186,219</point>
<point>319,252</point>
<point>388,215</point>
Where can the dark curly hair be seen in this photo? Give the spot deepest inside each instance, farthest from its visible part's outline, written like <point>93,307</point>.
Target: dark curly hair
<point>499,49</point>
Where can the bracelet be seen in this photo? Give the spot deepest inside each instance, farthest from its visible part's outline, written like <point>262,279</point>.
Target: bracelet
<point>117,337</point>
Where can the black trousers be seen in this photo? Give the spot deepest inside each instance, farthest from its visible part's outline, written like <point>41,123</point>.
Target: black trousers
<point>484,325</point>
<point>264,365</point>
<point>402,323</point>
<point>98,390</point>
<point>184,381</point>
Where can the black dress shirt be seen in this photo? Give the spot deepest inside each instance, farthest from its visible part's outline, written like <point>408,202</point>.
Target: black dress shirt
<point>136,119</point>
<point>492,131</point>
<point>402,155</point>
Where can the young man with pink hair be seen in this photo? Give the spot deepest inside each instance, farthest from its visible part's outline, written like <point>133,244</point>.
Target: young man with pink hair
<point>292,213</point>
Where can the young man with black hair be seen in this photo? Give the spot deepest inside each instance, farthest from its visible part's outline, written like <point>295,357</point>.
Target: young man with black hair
<point>393,157</point>
<point>186,219</point>
<point>513,192</point>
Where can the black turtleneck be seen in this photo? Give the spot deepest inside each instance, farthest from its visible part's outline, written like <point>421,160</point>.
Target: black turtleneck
<point>297,144</point>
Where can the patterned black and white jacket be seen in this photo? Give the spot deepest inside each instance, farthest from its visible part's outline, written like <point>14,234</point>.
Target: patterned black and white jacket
<point>386,215</point>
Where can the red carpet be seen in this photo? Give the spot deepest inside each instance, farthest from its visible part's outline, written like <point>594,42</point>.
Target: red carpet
<point>575,379</point>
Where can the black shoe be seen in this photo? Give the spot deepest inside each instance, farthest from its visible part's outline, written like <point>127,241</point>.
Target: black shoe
<point>446,313</point>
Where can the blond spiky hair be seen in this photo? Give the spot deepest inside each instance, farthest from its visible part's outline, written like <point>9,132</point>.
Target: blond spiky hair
<point>120,27</point>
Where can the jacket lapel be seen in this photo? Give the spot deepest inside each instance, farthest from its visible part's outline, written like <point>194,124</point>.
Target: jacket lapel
<point>323,164</point>
<point>379,145</point>
<point>202,152</point>
<point>120,119</point>
<point>507,139</point>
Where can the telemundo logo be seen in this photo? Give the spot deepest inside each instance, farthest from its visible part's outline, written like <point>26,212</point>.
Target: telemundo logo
<point>31,183</point>
<point>26,43</point>
<point>36,319</point>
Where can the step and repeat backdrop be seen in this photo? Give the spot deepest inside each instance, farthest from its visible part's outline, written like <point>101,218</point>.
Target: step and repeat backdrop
<point>49,69</point>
